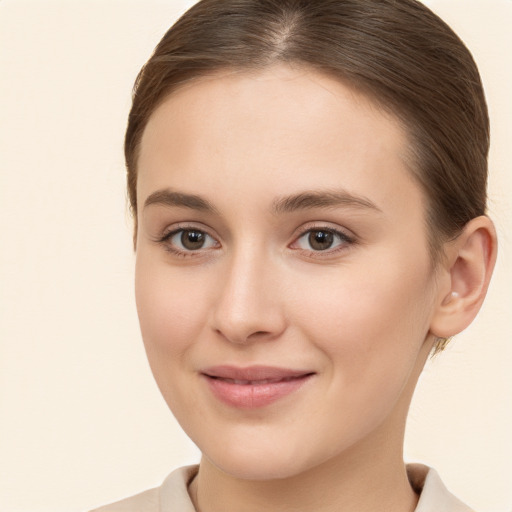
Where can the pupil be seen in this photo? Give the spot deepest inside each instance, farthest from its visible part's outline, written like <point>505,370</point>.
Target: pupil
<point>192,239</point>
<point>320,240</point>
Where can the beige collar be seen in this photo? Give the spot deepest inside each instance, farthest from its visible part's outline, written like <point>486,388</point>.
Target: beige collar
<point>434,497</point>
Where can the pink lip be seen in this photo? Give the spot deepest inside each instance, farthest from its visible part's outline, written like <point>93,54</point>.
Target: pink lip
<point>254,386</point>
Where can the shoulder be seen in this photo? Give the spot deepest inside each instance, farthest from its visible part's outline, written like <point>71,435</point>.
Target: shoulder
<point>434,496</point>
<point>171,495</point>
<point>147,501</point>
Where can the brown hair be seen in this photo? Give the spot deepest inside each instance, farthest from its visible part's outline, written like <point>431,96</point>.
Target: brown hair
<point>397,52</point>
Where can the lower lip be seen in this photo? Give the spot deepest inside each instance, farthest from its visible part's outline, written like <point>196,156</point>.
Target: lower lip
<point>251,396</point>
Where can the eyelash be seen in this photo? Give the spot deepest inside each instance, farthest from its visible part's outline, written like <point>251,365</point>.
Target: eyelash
<point>167,237</point>
<point>344,241</point>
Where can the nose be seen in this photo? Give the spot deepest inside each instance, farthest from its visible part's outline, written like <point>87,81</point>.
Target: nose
<point>249,305</point>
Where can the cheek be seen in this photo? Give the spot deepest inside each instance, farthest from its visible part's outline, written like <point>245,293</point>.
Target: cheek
<point>366,318</point>
<point>171,310</point>
<point>370,329</point>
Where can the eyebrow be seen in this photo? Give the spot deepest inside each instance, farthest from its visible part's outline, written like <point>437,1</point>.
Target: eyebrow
<point>167,197</point>
<point>322,199</point>
<point>288,204</point>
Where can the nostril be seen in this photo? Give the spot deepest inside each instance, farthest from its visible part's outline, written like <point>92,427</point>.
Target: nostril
<point>259,333</point>
<point>243,338</point>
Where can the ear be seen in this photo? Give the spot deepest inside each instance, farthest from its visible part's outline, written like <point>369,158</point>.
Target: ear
<point>464,277</point>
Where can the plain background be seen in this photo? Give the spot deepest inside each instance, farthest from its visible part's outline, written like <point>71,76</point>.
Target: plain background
<point>81,420</point>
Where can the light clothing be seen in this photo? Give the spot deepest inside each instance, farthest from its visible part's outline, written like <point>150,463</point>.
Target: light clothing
<point>172,495</point>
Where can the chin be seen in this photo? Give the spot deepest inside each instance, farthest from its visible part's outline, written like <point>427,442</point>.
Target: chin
<point>262,461</point>
<point>258,468</point>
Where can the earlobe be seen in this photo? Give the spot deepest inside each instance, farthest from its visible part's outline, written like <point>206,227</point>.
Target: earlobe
<point>466,275</point>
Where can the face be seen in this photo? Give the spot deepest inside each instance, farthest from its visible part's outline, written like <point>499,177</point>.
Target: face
<point>283,279</point>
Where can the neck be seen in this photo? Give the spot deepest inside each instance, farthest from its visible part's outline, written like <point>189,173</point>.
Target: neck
<point>364,480</point>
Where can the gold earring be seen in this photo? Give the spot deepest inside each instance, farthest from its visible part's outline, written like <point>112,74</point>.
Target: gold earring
<point>440,344</point>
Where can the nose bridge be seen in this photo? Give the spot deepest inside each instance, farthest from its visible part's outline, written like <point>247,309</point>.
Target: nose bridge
<point>248,305</point>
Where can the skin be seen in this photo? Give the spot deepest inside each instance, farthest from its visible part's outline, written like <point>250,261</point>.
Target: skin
<point>362,315</point>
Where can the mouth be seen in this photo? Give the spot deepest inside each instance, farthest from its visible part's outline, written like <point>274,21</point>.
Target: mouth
<point>255,386</point>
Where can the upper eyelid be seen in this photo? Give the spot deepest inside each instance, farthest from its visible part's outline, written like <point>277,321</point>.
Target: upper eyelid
<point>341,231</point>
<point>169,231</point>
<point>344,237</point>
<point>319,226</point>
<point>164,236</point>
<point>186,226</point>
<point>347,239</point>
<point>165,241</point>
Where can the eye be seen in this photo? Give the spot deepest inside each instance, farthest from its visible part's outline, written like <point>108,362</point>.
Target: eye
<point>188,240</point>
<point>322,239</point>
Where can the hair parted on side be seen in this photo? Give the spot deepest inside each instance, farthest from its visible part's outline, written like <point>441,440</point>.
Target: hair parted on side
<point>397,52</point>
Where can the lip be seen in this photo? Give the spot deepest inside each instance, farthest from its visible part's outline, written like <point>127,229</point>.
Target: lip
<point>254,386</point>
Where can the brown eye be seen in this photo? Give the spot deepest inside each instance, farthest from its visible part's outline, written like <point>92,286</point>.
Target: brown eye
<point>189,241</point>
<point>323,239</point>
<point>320,240</point>
<point>192,240</point>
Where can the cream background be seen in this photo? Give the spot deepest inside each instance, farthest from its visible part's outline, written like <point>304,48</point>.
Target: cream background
<point>81,420</point>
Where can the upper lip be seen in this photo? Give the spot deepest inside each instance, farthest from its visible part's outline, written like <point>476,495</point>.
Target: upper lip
<point>254,373</point>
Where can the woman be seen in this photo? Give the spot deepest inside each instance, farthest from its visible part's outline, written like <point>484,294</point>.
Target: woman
<point>308,183</point>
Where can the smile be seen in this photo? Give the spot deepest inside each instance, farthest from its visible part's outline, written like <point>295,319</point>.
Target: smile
<point>253,387</point>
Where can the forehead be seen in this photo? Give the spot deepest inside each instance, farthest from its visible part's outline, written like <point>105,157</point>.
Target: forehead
<point>263,96</point>
<point>281,127</point>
